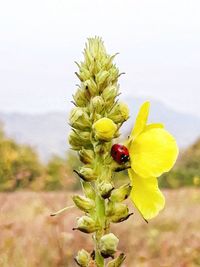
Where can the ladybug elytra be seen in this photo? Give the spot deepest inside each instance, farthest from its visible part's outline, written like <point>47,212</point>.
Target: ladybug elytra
<point>120,153</point>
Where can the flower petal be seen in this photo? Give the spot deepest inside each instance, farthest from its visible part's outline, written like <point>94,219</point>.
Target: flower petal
<point>153,152</point>
<point>141,120</point>
<point>153,125</point>
<point>146,195</point>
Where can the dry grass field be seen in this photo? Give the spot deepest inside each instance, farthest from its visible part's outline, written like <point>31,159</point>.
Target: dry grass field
<point>29,237</point>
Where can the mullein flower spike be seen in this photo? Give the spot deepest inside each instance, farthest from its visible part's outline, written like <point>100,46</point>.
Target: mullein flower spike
<point>149,151</point>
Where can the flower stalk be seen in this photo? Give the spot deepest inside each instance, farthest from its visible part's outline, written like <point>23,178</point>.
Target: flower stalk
<point>95,121</point>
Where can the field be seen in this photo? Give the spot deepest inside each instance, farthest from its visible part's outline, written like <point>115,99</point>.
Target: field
<point>29,237</point>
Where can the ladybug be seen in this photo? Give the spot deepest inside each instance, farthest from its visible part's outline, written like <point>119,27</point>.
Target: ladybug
<point>120,153</point>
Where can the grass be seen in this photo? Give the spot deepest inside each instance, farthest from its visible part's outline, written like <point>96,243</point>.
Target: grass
<point>29,237</point>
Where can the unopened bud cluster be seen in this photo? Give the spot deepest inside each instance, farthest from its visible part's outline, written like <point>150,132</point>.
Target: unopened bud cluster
<point>95,121</point>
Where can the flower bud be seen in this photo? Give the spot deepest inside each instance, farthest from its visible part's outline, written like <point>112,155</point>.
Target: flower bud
<point>84,203</point>
<point>79,119</point>
<point>108,245</point>
<point>91,86</point>
<point>86,173</point>
<point>79,139</point>
<point>84,74</point>
<point>86,155</point>
<point>105,189</point>
<point>86,224</point>
<point>121,193</point>
<point>109,94</point>
<point>97,104</point>
<point>102,76</point>
<point>118,212</point>
<point>88,190</point>
<point>83,258</point>
<point>105,129</point>
<point>80,98</point>
<point>117,262</point>
<point>119,113</point>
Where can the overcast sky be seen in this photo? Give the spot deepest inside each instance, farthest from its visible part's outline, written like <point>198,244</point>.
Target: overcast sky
<point>158,41</point>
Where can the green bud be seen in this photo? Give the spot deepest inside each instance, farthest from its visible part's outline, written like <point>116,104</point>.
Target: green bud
<point>84,203</point>
<point>80,98</point>
<point>113,75</point>
<point>105,189</point>
<point>97,104</point>
<point>86,224</point>
<point>117,212</point>
<point>86,155</point>
<point>109,94</point>
<point>84,74</point>
<point>108,245</point>
<point>91,86</point>
<point>83,258</point>
<point>119,113</point>
<point>87,174</point>
<point>117,262</point>
<point>79,119</point>
<point>88,190</point>
<point>78,139</point>
<point>121,193</point>
<point>102,76</point>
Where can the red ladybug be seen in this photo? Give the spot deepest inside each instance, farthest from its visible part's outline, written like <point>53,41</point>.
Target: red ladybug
<point>120,153</point>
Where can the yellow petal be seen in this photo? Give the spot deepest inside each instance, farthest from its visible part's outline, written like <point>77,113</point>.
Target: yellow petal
<point>146,195</point>
<point>153,125</point>
<point>153,152</point>
<point>141,120</point>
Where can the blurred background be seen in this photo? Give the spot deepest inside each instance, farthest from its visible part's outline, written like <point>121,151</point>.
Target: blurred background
<point>159,45</point>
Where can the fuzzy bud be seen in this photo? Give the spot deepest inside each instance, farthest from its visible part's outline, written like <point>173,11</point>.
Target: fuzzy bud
<point>108,245</point>
<point>117,262</point>
<point>86,225</point>
<point>117,212</point>
<point>83,258</point>
<point>79,139</point>
<point>88,190</point>
<point>119,113</point>
<point>97,104</point>
<point>109,94</point>
<point>86,155</point>
<point>87,174</point>
<point>91,87</point>
<point>83,203</point>
<point>105,129</point>
<point>121,193</point>
<point>102,76</point>
<point>80,98</point>
<point>105,189</point>
<point>79,119</point>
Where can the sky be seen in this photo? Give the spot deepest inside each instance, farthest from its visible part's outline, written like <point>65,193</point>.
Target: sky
<point>158,42</point>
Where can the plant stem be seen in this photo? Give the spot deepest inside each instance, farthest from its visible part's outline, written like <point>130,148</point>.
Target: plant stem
<point>100,216</point>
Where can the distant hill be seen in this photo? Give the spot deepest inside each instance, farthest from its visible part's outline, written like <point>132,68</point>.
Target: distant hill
<point>48,132</point>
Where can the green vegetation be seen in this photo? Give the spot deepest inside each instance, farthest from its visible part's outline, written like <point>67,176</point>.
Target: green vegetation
<point>20,167</point>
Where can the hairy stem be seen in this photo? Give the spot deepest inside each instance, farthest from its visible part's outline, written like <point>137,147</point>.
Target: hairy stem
<point>100,217</point>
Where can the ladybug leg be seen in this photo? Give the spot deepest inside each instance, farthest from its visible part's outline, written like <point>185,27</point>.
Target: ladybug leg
<point>122,168</point>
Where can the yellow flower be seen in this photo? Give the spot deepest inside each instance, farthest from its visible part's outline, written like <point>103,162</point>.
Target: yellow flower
<point>105,129</point>
<point>153,151</point>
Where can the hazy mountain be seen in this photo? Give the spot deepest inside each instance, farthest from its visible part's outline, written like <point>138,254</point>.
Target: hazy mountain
<point>48,132</point>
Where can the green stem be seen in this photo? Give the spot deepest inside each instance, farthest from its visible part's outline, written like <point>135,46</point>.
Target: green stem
<point>100,216</point>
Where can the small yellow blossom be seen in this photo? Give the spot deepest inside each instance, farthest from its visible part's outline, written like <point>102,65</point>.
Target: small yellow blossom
<point>105,129</point>
<point>153,151</point>
<point>124,110</point>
